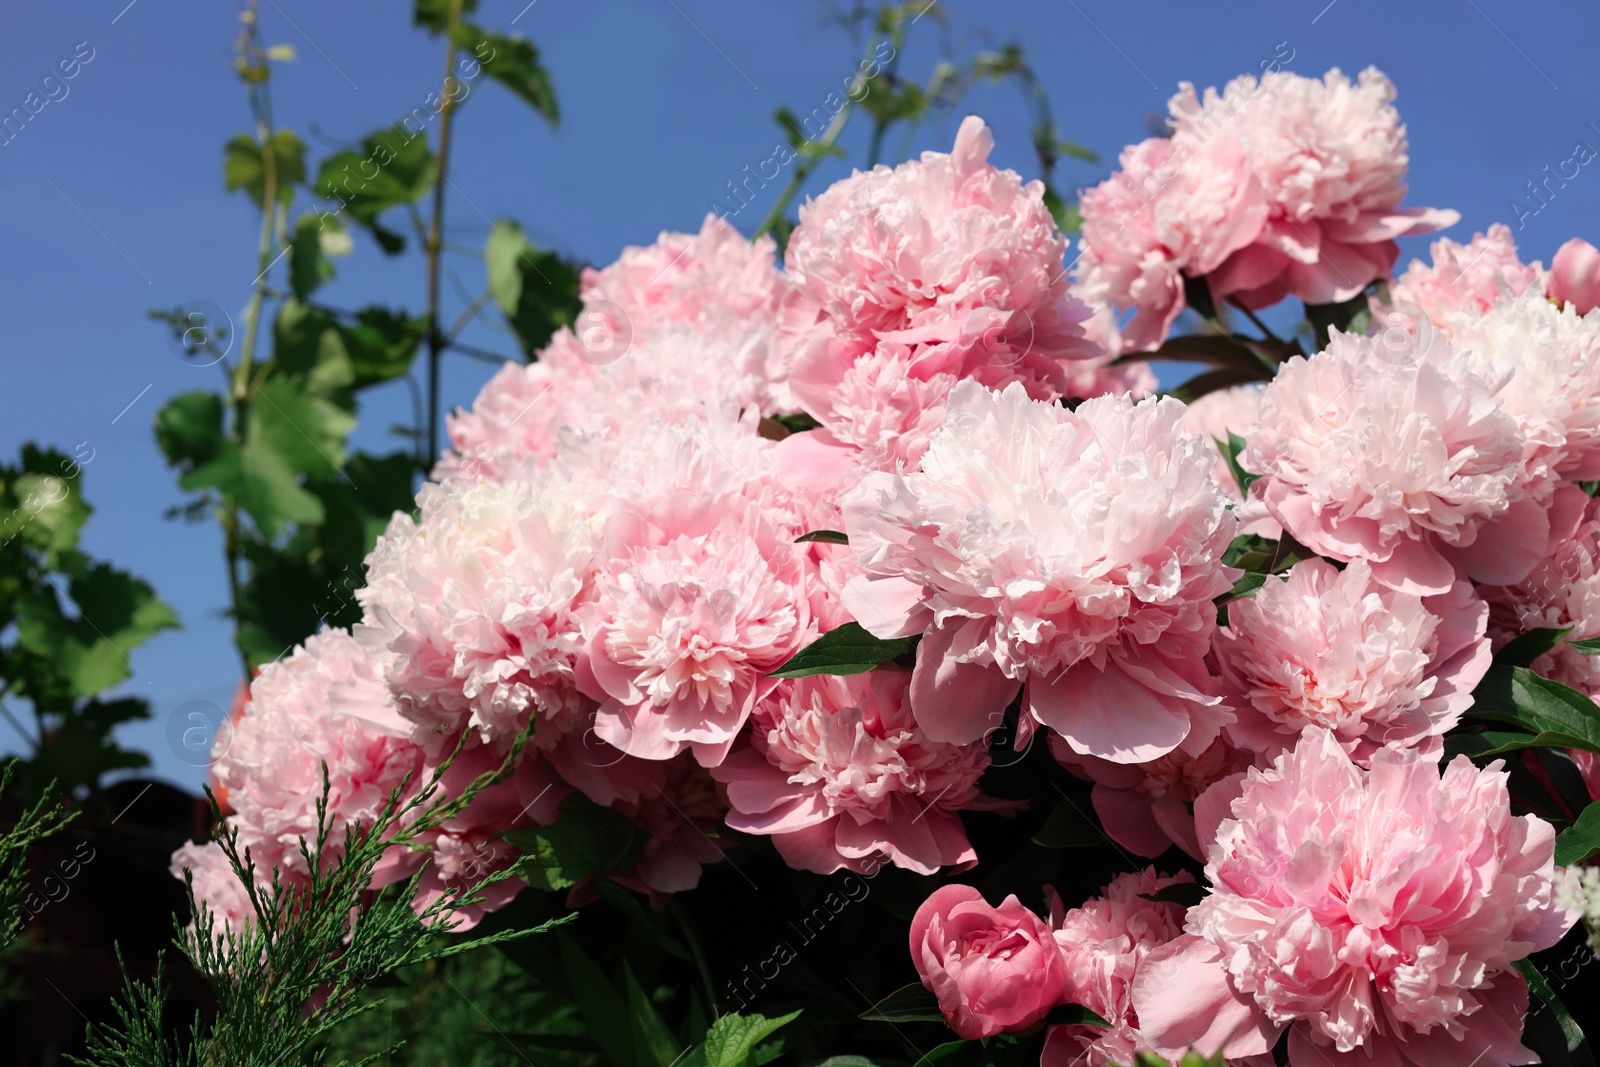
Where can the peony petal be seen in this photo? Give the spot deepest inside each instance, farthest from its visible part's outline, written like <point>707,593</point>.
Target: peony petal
<point>1106,713</point>
<point>1183,998</point>
<point>956,702</point>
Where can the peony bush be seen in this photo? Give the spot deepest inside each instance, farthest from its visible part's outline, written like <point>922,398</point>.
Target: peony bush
<point>807,555</point>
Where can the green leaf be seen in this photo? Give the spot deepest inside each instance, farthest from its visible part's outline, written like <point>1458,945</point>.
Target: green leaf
<point>832,537</point>
<point>1231,450</point>
<point>934,1055</point>
<point>1351,316</point>
<point>1571,1047</point>
<point>733,1038</point>
<point>434,15</point>
<point>382,344</point>
<point>1068,827</point>
<point>1489,744</point>
<point>513,61</point>
<point>1523,649</point>
<point>908,1004</point>
<point>393,166</point>
<point>309,266</point>
<point>602,1006</point>
<point>652,1039</point>
<point>307,347</point>
<point>1581,840</point>
<point>1216,380</point>
<point>1075,1015</point>
<point>586,840</point>
<point>1187,894</point>
<point>1589,646</point>
<point>1539,705</point>
<point>189,429</point>
<point>114,614</point>
<point>306,431</point>
<point>243,165</point>
<point>1245,585</point>
<point>536,291</point>
<point>848,649</point>
<point>261,483</point>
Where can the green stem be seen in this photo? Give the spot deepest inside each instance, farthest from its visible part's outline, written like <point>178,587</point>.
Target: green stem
<point>434,247</point>
<point>252,54</point>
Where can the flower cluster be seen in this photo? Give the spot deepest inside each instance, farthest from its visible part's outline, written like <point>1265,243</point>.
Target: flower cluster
<point>640,587</point>
<point>1282,186</point>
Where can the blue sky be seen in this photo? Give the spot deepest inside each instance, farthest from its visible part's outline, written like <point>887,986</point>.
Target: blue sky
<point>113,202</point>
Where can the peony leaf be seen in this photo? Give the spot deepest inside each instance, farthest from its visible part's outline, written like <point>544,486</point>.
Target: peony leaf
<point>1188,894</point>
<point>1581,840</point>
<point>832,537</point>
<point>848,649</point>
<point>1561,1045</point>
<point>1069,827</point>
<point>1517,696</point>
<point>1589,646</point>
<point>1076,1015</point>
<point>908,1004</point>
<point>1523,649</point>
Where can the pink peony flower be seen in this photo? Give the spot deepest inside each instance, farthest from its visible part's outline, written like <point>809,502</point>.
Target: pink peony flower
<point>480,606</point>
<point>839,775</point>
<point>1173,211</point>
<point>1329,158</point>
<point>994,970</point>
<point>710,280</point>
<point>1103,944</point>
<point>1147,808</point>
<point>683,813</point>
<point>218,890</point>
<point>1074,553</point>
<point>1376,913</point>
<point>1561,592</point>
<point>1575,276</point>
<point>946,267</point>
<point>699,600</point>
<point>1403,458</point>
<point>1465,278</point>
<point>469,847</point>
<point>1284,186</point>
<point>1552,356</point>
<point>525,415</point>
<point>1335,649</point>
<point>325,704</point>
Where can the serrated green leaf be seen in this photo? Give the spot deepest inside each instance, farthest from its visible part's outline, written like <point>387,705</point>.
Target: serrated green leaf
<point>189,429</point>
<point>536,291</point>
<point>306,431</point>
<point>243,165</point>
<point>733,1038</point>
<point>434,15</point>
<point>261,483</point>
<point>513,61</point>
<point>848,649</point>
<point>309,266</point>
<point>393,166</point>
<point>114,614</point>
<point>908,1004</point>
